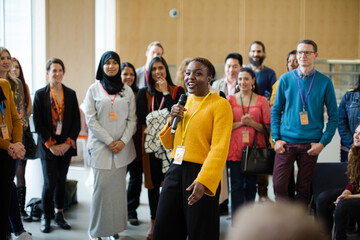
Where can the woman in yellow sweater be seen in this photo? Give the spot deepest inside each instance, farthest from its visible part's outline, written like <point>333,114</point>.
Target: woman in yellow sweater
<point>188,205</point>
<point>11,147</point>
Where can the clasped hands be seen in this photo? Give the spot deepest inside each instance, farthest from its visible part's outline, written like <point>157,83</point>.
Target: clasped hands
<point>59,149</point>
<point>16,150</point>
<point>116,146</point>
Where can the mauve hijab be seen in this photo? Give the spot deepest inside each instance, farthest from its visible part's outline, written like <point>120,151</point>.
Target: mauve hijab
<point>113,84</point>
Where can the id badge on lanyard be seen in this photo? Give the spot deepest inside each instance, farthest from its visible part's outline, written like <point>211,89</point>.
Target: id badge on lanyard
<point>304,120</point>
<point>58,128</point>
<point>245,136</point>
<point>4,131</point>
<point>179,155</point>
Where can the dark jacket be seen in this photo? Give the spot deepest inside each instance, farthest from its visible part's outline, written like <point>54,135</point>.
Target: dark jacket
<point>43,121</point>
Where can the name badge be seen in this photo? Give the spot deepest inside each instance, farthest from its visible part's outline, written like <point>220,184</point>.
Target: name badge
<point>58,128</point>
<point>179,155</point>
<point>245,136</point>
<point>304,118</point>
<point>112,116</point>
<point>4,131</point>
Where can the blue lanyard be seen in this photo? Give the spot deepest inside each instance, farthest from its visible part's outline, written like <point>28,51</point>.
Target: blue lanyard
<point>2,111</point>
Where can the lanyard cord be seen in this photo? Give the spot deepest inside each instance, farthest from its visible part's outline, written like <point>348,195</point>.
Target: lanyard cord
<point>56,104</point>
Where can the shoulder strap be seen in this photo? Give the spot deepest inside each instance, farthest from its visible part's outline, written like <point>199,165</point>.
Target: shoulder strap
<point>175,91</point>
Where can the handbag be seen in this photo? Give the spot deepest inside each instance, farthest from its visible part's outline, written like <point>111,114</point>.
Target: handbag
<point>258,161</point>
<point>29,144</point>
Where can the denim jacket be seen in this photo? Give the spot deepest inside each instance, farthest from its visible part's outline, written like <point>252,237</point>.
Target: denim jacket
<point>349,117</point>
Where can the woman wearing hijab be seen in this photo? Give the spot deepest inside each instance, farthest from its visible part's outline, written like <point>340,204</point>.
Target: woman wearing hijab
<point>109,108</point>
<point>57,123</point>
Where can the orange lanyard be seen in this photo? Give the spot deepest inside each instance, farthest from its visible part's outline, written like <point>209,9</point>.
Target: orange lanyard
<point>56,104</point>
<point>112,100</point>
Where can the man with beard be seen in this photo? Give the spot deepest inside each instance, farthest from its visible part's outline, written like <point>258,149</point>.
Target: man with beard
<point>265,77</point>
<point>233,63</point>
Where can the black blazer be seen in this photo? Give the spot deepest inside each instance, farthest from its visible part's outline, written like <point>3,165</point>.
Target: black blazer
<point>43,121</point>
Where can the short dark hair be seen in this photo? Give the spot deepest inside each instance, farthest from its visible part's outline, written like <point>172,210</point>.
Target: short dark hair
<point>259,43</point>
<point>290,53</point>
<point>207,64</point>
<point>235,55</point>
<point>151,81</point>
<point>53,61</point>
<point>308,41</point>
<point>127,64</point>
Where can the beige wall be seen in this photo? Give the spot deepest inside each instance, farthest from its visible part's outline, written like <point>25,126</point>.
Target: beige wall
<point>213,28</point>
<point>70,36</point>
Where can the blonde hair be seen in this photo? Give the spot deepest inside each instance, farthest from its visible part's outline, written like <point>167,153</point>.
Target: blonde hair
<point>9,76</point>
<point>180,74</point>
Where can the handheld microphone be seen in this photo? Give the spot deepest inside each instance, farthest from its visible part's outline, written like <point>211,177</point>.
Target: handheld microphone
<point>182,102</point>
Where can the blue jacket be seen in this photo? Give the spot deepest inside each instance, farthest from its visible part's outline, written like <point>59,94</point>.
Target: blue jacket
<point>285,118</point>
<point>349,117</point>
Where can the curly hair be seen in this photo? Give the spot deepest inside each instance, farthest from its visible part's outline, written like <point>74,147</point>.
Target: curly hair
<point>353,168</point>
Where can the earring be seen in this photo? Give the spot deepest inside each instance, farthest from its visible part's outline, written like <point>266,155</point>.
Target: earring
<point>237,88</point>
<point>253,87</point>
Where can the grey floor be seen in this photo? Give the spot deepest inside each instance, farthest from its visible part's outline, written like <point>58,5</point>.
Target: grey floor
<point>78,215</point>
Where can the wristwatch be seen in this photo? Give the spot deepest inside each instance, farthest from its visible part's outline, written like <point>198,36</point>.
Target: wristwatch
<point>274,140</point>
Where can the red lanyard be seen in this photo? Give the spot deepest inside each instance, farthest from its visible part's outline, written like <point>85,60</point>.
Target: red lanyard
<point>112,100</point>
<point>152,103</point>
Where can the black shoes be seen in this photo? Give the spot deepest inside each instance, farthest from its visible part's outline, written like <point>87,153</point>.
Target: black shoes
<point>45,223</point>
<point>60,221</point>
<point>134,221</point>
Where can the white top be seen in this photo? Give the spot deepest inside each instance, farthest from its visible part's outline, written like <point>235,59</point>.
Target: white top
<point>97,106</point>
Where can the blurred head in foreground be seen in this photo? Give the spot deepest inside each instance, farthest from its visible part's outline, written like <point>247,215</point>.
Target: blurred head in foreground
<point>275,221</point>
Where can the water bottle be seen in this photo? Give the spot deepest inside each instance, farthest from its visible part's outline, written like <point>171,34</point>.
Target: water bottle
<point>267,95</point>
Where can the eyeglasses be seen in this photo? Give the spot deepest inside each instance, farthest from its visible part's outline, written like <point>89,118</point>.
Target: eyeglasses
<point>307,53</point>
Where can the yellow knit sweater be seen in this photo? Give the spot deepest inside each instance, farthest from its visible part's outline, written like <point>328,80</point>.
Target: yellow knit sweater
<point>207,138</point>
<point>12,118</point>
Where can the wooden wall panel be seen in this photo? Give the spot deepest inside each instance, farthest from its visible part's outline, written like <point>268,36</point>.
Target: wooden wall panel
<point>213,28</point>
<point>71,37</point>
<point>334,26</point>
<point>276,24</point>
<point>141,22</point>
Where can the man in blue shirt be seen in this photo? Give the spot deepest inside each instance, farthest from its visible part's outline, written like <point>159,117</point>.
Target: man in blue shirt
<point>297,122</point>
<point>265,77</point>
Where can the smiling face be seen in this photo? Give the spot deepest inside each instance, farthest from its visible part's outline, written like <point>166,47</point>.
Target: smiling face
<point>127,76</point>
<point>111,67</point>
<point>232,68</point>
<point>357,137</point>
<point>197,79</point>
<point>16,69</point>
<point>245,81</point>
<point>305,55</point>
<point>153,51</point>
<point>292,62</point>
<point>5,62</point>
<point>55,74</point>
<point>256,55</point>
<point>158,71</point>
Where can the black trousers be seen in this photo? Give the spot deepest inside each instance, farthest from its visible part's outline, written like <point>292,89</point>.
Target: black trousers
<point>7,173</point>
<point>54,171</point>
<point>325,207</point>
<point>175,219</point>
<point>134,188</point>
<point>345,210</point>
<point>157,177</point>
